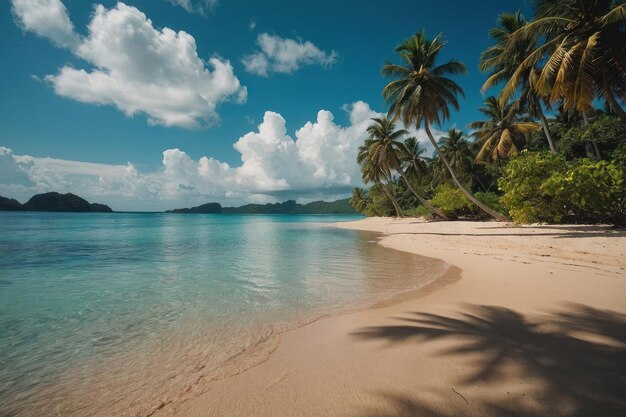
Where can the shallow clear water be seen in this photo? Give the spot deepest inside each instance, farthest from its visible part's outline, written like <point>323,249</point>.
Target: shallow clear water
<point>114,314</point>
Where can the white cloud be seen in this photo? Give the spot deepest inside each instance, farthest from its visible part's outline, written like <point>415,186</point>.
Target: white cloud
<point>141,69</point>
<point>319,163</point>
<point>46,18</point>
<point>201,7</point>
<point>283,55</point>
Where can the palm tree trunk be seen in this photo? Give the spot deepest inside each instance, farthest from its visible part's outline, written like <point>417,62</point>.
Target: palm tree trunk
<point>546,129</point>
<point>469,195</point>
<point>594,144</point>
<point>422,200</point>
<point>482,186</point>
<point>393,199</point>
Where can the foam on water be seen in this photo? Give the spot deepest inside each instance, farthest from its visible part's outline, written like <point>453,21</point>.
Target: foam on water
<point>117,314</point>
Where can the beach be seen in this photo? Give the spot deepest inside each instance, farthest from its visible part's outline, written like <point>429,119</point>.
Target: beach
<point>527,321</point>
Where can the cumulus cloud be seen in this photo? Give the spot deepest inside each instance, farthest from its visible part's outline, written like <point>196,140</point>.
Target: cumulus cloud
<point>318,162</point>
<point>201,7</point>
<point>141,69</point>
<point>284,55</point>
<point>46,18</point>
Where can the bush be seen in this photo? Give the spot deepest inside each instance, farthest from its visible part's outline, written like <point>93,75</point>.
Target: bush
<point>419,211</point>
<point>606,131</point>
<point>543,187</point>
<point>591,191</point>
<point>521,184</point>
<point>451,201</point>
<point>378,203</point>
<point>491,200</point>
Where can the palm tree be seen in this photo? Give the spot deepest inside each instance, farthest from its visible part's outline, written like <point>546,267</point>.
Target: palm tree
<point>372,171</point>
<point>584,53</point>
<point>359,199</point>
<point>412,162</point>
<point>421,94</point>
<point>385,148</point>
<point>458,152</point>
<point>503,134</point>
<point>503,58</point>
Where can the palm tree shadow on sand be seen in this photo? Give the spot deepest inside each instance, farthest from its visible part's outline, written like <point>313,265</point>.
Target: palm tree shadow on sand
<point>577,355</point>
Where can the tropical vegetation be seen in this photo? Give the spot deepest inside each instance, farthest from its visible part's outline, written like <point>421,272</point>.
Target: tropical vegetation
<point>551,146</point>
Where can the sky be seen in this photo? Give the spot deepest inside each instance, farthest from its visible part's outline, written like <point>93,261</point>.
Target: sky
<point>157,104</point>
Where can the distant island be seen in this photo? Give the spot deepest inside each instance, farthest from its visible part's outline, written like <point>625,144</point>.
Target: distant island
<point>208,208</point>
<point>53,202</point>
<point>287,207</point>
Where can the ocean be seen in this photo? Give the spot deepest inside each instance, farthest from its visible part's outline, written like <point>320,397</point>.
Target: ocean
<point>120,313</point>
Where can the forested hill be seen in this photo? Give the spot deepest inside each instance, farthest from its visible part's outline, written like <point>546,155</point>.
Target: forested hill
<point>287,207</point>
<point>53,202</point>
<point>291,207</point>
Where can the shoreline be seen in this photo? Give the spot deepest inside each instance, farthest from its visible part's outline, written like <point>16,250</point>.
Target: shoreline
<point>257,354</point>
<point>304,381</point>
<point>251,355</point>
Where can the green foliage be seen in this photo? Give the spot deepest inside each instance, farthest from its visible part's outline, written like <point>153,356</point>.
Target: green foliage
<point>491,200</point>
<point>419,211</point>
<point>451,201</point>
<point>593,191</point>
<point>606,130</point>
<point>521,184</point>
<point>571,143</point>
<point>609,133</point>
<point>619,153</point>
<point>359,199</point>
<point>543,187</point>
<point>378,203</point>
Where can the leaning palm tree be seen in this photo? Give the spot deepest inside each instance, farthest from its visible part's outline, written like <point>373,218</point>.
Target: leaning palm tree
<point>372,171</point>
<point>503,134</point>
<point>421,94</point>
<point>502,60</point>
<point>459,154</point>
<point>584,50</point>
<point>386,149</point>
<point>412,160</point>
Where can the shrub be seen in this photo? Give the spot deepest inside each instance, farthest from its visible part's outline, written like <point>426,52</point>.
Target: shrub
<point>521,184</point>
<point>492,200</point>
<point>606,131</point>
<point>451,201</point>
<point>591,191</point>
<point>543,187</point>
<point>378,203</point>
<point>419,211</point>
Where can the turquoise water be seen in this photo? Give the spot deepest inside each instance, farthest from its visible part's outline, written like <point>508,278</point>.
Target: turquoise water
<point>114,314</point>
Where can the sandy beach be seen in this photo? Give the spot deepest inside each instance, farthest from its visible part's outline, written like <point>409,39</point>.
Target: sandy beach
<point>527,321</point>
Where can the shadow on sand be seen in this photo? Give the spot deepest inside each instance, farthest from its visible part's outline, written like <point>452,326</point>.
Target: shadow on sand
<point>507,232</point>
<point>576,355</point>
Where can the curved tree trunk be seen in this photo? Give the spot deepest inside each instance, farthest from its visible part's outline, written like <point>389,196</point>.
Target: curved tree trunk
<point>469,195</point>
<point>594,144</point>
<point>546,129</point>
<point>393,199</point>
<point>422,200</point>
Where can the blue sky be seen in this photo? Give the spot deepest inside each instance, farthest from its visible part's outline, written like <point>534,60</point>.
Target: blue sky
<point>332,55</point>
